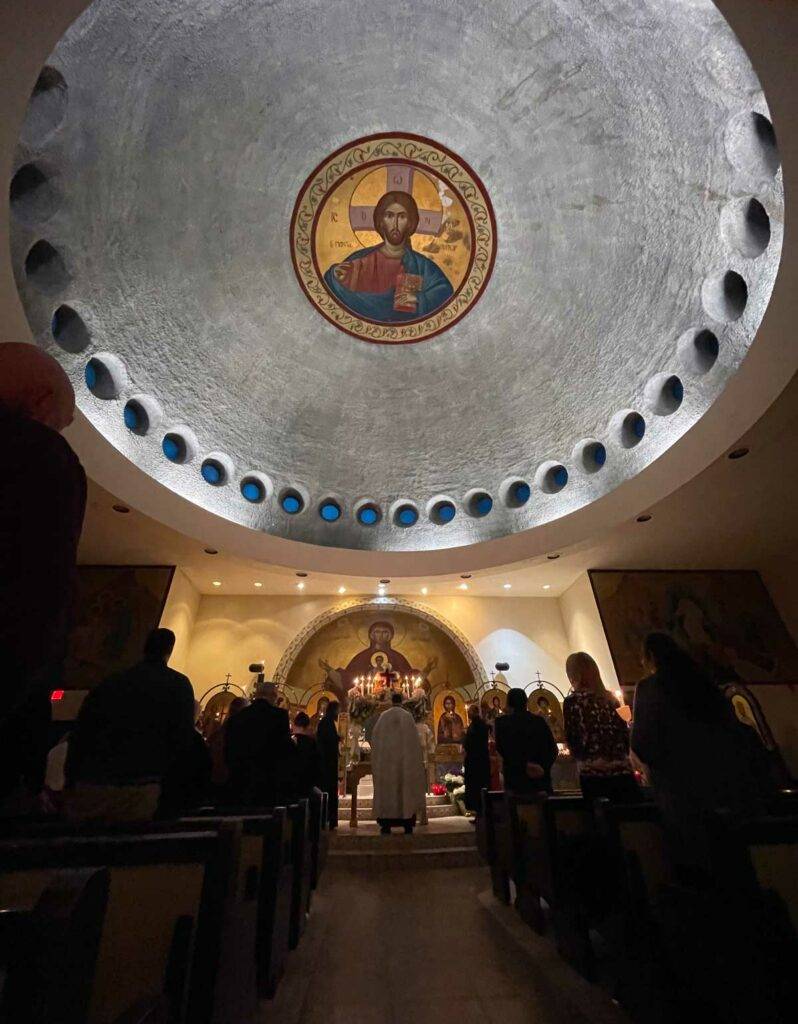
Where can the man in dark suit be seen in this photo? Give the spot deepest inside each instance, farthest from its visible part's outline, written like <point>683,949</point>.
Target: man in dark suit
<point>328,740</point>
<point>307,759</point>
<point>131,732</point>
<point>42,501</point>
<point>258,750</point>
<point>526,746</point>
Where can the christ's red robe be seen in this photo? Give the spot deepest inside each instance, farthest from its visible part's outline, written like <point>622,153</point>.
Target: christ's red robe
<point>375,272</point>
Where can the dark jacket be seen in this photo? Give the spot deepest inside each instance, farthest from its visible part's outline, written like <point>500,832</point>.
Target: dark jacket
<point>133,727</point>
<point>39,533</point>
<point>328,739</point>
<point>695,768</point>
<point>476,764</point>
<point>522,737</point>
<point>259,754</point>
<point>187,785</point>
<point>306,766</point>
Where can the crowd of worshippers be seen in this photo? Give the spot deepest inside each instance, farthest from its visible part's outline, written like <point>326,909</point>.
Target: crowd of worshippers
<point>686,749</point>
<point>136,751</point>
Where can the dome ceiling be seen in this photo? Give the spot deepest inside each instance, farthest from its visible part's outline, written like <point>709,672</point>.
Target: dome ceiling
<point>589,211</point>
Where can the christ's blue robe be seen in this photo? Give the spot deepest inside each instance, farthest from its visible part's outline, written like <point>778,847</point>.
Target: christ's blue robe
<point>434,291</point>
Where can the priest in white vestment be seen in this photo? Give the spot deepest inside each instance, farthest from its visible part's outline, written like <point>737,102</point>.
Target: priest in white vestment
<point>397,766</point>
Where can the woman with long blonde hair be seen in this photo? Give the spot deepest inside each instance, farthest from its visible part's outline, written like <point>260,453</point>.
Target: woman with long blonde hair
<point>597,735</point>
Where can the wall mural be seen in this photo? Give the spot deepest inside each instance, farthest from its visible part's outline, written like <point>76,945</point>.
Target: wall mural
<point>365,644</point>
<point>725,619</point>
<point>114,609</point>
<point>393,238</point>
<point>450,717</point>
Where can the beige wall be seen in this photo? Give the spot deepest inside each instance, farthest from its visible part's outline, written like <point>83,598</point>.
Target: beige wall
<point>583,628</point>
<point>179,615</point>
<point>231,632</point>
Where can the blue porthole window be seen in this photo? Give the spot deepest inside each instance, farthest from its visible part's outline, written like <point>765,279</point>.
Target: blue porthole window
<point>330,511</point>
<point>292,502</point>
<point>252,490</point>
<point>480,504</point>
<point>443,512</point>
<point>518,493</point>
<point>599,455</point>
<point>406,515</point>
<point>590,456</point>
<point>213,472</point>
<point>136,419</point>
<point>368,515</point>
<point>551,477</point>
<point>174,447</point>
<point>632,430</point>
<point>90,375</point>
<point>676,389</point>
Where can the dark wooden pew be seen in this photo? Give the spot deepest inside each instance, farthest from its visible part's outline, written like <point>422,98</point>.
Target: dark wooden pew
<point>529,865</point>
<point>299,817</point>
<point>268,835</point>
<point>319,836</point>
<point>166,891</point>
<point>48,952</point>
<point>494,842</point>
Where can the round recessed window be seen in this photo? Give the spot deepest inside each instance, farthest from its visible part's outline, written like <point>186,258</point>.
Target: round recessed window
<point>368,515</point>
<point>213,472</point>
<point>518,493</point>
<point>479,504</point>
<point>253,490</point>
<point>397,196</point>
<point>174,447</point>
<point>330,511</point>
<point>136,419</point>
<point>292,502</point>
<point>442,512</point>
<point>406,515</point>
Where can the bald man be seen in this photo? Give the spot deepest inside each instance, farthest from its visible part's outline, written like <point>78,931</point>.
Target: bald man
<point>42,501</point>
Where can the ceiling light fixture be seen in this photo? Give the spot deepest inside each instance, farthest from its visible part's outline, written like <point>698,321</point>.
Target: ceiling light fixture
<point>547,586</point>
<point>645,518</point>
<point>552,557</point>
<point>302,575</point>
<point>739,453</point>
<point>384,582</point>
<point>463,586</point>
<point>217,583</point>
<point>342,590</point>
<point>123,509</point>
<point>424,590</point>
<point>465,576</point>
<point>508,586</point>
<point>211,551</point>
<point>300,585</point>
<point>258,584</point>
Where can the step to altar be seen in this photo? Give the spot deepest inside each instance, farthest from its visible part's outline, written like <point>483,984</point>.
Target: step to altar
<point>364,799</point>
<point>365,811</point>
<point>445,842</point>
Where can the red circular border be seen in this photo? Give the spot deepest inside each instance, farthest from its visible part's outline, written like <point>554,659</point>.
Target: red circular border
<point>413,138</point>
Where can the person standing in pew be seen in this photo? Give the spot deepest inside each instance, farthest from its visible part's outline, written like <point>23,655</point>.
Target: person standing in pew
<point>131,732</point>
<point>258,750</point>
<point>187,785</point>
<point>687,736</point>
<point>476,759</point>
<point>38,549</point>
<point>526,746</point>
<point>597,735</point>
<point>328,740</point>
<point>307,759</point>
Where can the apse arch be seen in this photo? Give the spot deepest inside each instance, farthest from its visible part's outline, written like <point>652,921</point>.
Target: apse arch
<point>379,606</point>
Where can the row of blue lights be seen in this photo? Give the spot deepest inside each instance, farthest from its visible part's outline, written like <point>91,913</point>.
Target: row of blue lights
<point>291,501</point>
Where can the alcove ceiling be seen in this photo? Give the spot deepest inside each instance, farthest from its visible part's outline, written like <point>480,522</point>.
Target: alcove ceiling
<point>628,153</point>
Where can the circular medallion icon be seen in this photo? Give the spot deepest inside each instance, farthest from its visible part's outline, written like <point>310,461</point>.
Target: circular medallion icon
<point>393,238</point>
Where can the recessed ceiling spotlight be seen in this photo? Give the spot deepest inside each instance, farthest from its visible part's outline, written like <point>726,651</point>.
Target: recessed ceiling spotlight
<point>123,509</point>
<point>547,586</point>
<point>508,586</point>
<point>739,453</point>
<point>300,585</point>
<point>465,576</point>
<point>302,575</point>
<point>552,557</point>
<point>217,583</point>
<point>257,584</point>
<point>211,551</point>
<point>645,518</point>
<point>342,590</point>
<point>463,586</point>
<point>384,582</point>
<point>425,590</point>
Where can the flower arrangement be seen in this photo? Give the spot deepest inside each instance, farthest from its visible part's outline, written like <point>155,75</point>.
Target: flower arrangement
<point>361,707</point>
<point>438,789</point>
<point>453,782</point>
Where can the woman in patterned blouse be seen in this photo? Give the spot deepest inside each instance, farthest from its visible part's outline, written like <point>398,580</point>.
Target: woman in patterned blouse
<point>597,735</point>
